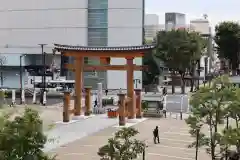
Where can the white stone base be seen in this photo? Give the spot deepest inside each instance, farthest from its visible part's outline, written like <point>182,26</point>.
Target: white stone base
<point>79,117</point>
<point>61,122</point>
<point>135,120</point>
<point>131,124</point>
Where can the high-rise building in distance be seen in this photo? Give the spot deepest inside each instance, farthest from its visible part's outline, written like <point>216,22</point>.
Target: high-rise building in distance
<point>174,20</point>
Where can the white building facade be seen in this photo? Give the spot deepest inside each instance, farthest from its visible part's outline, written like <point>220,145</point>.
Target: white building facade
<point>203,27</point>
<point>152,26</point>
<point>27,23</point>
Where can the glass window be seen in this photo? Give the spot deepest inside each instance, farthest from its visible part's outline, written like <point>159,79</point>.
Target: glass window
<point>97,18</point>
<point>98,4</point>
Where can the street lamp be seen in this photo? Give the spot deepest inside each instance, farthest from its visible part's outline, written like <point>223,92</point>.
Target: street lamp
<point>44,71</point>
<point>137,81</point>
<point>21,77</point>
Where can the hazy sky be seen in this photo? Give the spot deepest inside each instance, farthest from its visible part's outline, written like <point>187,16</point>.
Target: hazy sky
<point>217,10</point>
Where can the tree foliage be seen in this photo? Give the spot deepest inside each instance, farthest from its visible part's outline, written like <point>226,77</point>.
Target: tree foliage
<point>22,138</point>
<point>179,49</point>
<point>122,146</point>
<point>153,71</point>
<point>211,106</point>
<point>227,39</point>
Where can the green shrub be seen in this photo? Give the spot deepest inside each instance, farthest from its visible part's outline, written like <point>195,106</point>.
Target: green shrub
<point>144,105</point>
<point>23,137</point>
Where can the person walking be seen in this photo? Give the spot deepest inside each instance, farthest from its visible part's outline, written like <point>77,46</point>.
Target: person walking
<point>106,92</point>
<point>95,103</point>
<point>156,135</point>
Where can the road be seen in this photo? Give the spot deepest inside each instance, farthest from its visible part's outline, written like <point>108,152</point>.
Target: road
<point>174,103</point>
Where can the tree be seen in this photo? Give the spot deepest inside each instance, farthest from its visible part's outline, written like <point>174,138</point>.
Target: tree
<point>153,71</point>
<point>231,133</point>
<point>22,138</point>
<point>179,49</point>
<point>209,109</point>
<point>122,146</point>
<point>227,39</point>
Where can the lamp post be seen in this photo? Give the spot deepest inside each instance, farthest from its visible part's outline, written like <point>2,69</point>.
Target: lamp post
<point>44,71</point>
<point>137,81</point>
<point>21,78</point>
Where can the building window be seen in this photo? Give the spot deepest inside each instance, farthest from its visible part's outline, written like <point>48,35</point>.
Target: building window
<point>97,36</point>
<point>98,4</point>
<point>97,18</point>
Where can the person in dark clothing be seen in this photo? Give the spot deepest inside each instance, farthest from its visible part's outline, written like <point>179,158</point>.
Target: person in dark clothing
<point>106,92</point>
<point>156,135</point>
<point>95,103</point>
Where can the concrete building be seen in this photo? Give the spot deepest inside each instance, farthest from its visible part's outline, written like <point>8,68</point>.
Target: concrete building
<point>174,20</point>
<point>152,26</point>
<point>27,23</point>
<point>202,26</point>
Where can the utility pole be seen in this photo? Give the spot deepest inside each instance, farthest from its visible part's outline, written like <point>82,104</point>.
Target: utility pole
<point>44,71</point>
<point>21,78</point>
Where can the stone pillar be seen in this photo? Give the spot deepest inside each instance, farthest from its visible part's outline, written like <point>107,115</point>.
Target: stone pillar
<point>66,104</point>
<point>44,98</point>
<point>138,93</point>
<point>23,96</point>
<point>34,97</point>
<point>78,85</point>
<point>121,109</point>
<point>99,95</point>
<point>130,88</point>
<point>88,101</point>
<point>13,96</point>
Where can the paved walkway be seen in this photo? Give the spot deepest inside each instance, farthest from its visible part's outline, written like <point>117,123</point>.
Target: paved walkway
<point>174,139</point>
<point>66,133</point>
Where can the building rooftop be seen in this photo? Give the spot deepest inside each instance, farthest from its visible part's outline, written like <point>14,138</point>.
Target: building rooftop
<point>60,47</point>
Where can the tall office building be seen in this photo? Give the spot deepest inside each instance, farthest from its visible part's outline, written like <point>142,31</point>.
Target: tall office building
<point>27,23</point>
<point>152,26</point>
<point>174,20</point>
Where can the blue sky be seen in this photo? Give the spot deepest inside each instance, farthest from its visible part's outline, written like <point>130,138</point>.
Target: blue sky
<point>217,10</point>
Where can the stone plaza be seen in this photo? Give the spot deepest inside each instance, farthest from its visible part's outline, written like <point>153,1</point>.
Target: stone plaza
<point>83,139</point>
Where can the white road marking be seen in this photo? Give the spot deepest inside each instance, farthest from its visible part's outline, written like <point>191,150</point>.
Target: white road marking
<point>180,148</point>
<point>176,140</point>
<point>77,154</point>
<point>177,133</point>
<point>180,128</point>
<point>164,155</point>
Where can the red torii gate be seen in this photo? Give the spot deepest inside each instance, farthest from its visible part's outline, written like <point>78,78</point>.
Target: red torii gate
<point>105,54</point>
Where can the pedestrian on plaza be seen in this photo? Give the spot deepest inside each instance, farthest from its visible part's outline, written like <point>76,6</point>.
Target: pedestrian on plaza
<point>95,103</point>
<point>106,92</point>
<point>156,135</point>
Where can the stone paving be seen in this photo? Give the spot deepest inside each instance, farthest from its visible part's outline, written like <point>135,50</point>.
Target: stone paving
<point>174,139</point>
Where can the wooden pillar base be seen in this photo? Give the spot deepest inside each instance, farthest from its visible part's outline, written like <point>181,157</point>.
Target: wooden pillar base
<point>122,119</point>
<point>138,103</point>
<point>66,104</point>
<point>66,117</point>
<point>88,101</point>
